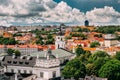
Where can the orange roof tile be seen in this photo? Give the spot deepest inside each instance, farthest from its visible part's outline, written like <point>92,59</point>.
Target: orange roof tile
<point>22,46</point>
<point>32,46</point>
<point>1,46</point>
<point>52,47</point>
<point>89,49</point>
<point>10,46</point>
<point>40,47</point>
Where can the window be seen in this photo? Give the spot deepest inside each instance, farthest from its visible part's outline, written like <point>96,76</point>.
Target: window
<point>19,71</point>
<point>30,58</point>
<point>15,57</point>
<point>54,74</point>
<point>24,57</point>
<point>41,74</point>
<point>30,71</point>
<point>25,71</point>
<point>20,62</point>
<point>14,62</point>
<point>9,62</point>
<point>58,46</point>
<point>61,39</point>
<point>26,63</point>
<point>12,70</point>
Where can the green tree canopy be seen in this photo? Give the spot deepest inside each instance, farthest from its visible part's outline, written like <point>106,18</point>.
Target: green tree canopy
<point>84,57</point>
<point>93,68</point>
<point>7,41</point>
<point>10,52</point>
<point>79,50</point>
<point>110,70</point>
<point>94,44</point>
<point>97,55</point>
<point>98,35</point>
<point>17,52</point>
<point>117,56</point>
<point>49,36</point>
<point>74,69</point>
<point>39,42</point>
<point>108,29</point>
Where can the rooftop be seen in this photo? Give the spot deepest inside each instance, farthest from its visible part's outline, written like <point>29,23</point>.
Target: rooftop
<point>58,53</point>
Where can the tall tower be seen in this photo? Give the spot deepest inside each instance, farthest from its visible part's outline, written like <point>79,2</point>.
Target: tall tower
<point>60,39</point>
<point>86,23</point>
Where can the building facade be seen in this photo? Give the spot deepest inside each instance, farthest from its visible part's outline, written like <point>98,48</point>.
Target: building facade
<point>45,65</point>
<point>45,68</point>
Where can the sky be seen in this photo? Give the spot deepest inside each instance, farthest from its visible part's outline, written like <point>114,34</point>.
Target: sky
<point>70,12</point>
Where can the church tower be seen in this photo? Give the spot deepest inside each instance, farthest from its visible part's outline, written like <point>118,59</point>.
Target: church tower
<point>86,23</point>
<point>60,39</point>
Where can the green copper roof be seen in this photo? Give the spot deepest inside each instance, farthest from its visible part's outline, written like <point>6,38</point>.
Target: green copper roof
<point>59,53</point>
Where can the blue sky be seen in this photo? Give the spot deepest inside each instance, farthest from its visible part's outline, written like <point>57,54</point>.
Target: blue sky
<point>71,12</point>
<point>87,5</point>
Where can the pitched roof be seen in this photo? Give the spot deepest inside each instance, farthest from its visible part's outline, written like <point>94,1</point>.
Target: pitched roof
<point>57,53</point>
<point>19,61</point>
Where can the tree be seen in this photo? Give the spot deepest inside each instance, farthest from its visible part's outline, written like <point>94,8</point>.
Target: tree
<point>39,42</point>
<point>17,34</point>
<point>17,52</point>
<point>50,41</point>
<point>89,69</point>
<point>49,36</point>
<point>10,52</point>
<point>74,69</point>
<point>98,35</point>
<point>82,36</point>
<point>79,50</point>
<point>93,68</point>
<point>84,57</point>
<point>110,70</point>
<point>6,41</point>
<point>94,44</point>
<point>96,61</point>
<point>117,56</point>
<point>97,55</point>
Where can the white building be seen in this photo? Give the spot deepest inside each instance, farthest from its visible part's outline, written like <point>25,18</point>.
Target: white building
<point>110,40</point>
<point>60,42</point>
<point>45,65</point>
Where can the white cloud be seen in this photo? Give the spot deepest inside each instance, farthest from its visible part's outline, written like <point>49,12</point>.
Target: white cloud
<point>48,11</point>
<point>106,15</point>
<point>5,23</point>
<point>63,13</point>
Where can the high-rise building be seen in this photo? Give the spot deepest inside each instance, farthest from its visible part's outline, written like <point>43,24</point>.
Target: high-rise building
<point>86,23</point>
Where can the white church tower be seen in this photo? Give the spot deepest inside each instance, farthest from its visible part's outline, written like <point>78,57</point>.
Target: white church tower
<point>60,39</point>
<point>60,42</point>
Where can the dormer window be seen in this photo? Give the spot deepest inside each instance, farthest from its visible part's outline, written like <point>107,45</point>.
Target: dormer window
<point>26,63</point>
<point>14,62</point>
<point>15,57</point>
<point>20,62</point>
<point>31,58</point>
<point>9,62</point>
<point>24,57</point>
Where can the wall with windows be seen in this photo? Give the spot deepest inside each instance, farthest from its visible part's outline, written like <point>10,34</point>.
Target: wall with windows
<point>42,73</point>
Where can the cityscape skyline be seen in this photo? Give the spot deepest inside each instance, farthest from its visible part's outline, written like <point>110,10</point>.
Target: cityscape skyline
<point>71,12</point>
